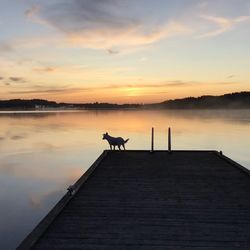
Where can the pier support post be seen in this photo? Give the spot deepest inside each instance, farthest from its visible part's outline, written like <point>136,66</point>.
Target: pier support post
<point>169,140</point>
<point>152,140</point>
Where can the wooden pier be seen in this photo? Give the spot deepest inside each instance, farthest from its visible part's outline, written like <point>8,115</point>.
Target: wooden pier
<point>144,200</point>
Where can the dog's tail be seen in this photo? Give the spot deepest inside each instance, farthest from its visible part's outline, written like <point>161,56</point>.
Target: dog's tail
<point>126,140</point>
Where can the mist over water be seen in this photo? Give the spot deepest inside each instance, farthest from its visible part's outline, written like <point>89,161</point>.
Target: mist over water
<point>42,153</point>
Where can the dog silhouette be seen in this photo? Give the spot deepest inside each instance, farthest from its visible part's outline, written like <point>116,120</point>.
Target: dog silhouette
<point>115,141</point>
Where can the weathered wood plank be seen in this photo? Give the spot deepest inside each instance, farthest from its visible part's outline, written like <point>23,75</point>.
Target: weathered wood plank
<point>139,200</point>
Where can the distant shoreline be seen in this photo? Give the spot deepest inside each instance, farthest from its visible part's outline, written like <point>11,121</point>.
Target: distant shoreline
<point>239,100</point>
<point>110,109</point>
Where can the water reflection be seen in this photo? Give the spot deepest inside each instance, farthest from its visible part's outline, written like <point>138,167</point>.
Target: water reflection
<point>41,154</point>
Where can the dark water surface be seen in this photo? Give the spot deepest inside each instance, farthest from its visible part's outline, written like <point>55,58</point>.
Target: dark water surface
<point>42,153</point>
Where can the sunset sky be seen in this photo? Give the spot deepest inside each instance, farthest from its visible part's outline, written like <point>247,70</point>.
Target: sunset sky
<point>123,51</point>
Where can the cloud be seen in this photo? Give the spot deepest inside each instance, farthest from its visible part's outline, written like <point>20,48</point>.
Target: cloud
<point>223,24</point>
<point>17,137</point>
<point>166,84</point>
<point>41,90</point>
<point>7,81</point>
<point>31,11</point>
<point>130,37</point>
<point>6,46</point>
<point>178,83</point>
<point>50,91</point>
<point>231,76</point>
<point>105,24</point>
<point>4,81</point>
<point>16,79</point>
<point>170,84</point>
<point>45,69</point>
<point>119,26</point>
<point>158,85</point>
<point>112,51</point>
<point>226,83</point>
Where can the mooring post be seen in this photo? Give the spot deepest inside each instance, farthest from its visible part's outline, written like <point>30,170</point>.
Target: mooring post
<point>152,140</point>
<point>169,140</point>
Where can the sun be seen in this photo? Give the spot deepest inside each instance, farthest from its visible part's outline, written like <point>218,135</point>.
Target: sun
<point>133,91</point>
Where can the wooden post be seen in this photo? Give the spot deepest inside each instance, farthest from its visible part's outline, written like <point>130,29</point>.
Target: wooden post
<point>152,140</point>
<point>169,140</point>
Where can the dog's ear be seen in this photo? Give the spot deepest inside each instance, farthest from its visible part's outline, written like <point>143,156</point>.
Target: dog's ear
<point>106,133</point>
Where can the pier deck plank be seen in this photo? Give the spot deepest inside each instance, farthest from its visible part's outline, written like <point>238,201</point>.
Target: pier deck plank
<point>143,200</point>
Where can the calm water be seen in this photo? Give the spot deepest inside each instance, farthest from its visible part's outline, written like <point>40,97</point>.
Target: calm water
<point>42,153</point>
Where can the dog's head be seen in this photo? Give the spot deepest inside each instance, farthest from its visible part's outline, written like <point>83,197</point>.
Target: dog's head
<point>104,136</point>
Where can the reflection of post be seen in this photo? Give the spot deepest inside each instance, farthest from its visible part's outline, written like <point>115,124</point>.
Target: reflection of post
<point>152,140</point>
<point>169,140</point>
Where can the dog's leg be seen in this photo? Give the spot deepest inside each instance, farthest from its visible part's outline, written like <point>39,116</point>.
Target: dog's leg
<point>110,146</point>
<point>123,145</point>
<point>114,147</point>
<point>119,146</point>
